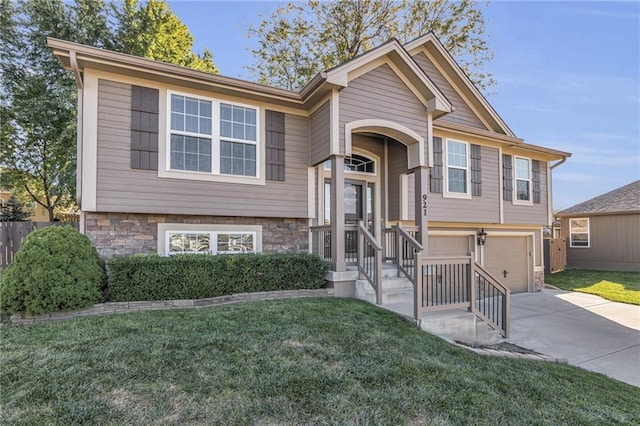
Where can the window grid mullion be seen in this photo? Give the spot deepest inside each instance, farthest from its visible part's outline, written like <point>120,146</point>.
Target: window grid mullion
<point>215,149</point>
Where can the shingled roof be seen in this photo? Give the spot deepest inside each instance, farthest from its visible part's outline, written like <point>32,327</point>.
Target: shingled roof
<point>625,199</point>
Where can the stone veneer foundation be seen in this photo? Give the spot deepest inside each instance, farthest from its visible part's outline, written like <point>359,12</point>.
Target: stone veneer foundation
<point>538,276</point>
<point>121,234</point>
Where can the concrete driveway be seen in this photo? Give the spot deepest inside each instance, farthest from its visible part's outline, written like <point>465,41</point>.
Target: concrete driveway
<point>590,332</point>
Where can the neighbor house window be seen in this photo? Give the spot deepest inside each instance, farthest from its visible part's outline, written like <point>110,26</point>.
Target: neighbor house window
<point>457,167</point>
<point>209,136</point>
<point>182,238</point>
<point>523,179</point>
<point>579,232</point>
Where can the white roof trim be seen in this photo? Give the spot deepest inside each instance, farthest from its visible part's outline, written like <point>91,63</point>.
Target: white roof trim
<point>340,74</point>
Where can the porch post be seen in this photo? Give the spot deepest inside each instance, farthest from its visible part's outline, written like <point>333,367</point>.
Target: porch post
<point>422,205</point>
<point>338,263</point>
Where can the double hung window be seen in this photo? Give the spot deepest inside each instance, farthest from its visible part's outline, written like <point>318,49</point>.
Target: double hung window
<point>457,167</point>
<point>214,137</point>
<point>523,179</point>
<point>579,232</point>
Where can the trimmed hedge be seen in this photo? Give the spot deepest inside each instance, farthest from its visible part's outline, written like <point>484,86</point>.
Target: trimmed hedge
<point>55,269</point>
<point>202,276</point>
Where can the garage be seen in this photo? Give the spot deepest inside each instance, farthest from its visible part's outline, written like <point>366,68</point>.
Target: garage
<point>440,245</point>
<point>507,259</point>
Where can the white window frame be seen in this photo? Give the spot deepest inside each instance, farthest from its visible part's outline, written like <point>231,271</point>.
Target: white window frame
<point>529,180</point>
<point>216,139</point>
<point>571,232</point>
<point>164,229</point>
<point>446,193</point>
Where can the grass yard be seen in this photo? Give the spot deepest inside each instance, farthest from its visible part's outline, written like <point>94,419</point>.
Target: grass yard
<point>615,286</point>
<point>305,361</point>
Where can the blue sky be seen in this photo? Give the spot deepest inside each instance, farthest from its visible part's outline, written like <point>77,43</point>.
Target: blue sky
<point>568,77</point>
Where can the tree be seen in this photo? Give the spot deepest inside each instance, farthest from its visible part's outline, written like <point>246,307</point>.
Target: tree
<point>153,31</point>
<point>37,149</point>
<point>13,211</point>
<point>298,40</point>
<point>38,97</point>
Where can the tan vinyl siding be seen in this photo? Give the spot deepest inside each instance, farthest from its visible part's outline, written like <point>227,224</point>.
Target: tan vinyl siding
<point>485,208</point>
<point>534,214</point>
<point>463,114</point>
<point>411,196</point>
<point>370,144</point>
<point>440,245</point>
<point>381,94</point>
<point>614,244</point>
<point>121,189</point>
<point>320,132</point>
<point>396,167</point>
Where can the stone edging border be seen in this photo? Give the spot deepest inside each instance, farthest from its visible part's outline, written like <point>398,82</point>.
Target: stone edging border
<point>110,308</point>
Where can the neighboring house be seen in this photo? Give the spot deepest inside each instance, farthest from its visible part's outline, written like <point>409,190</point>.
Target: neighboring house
<point>173,160</point>
<point>603,233</point>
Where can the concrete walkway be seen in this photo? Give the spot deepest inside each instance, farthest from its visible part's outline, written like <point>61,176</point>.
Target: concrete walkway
<point>590,332</point>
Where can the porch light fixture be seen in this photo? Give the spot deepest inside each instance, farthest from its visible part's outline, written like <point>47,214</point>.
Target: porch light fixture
<point>482,237</point>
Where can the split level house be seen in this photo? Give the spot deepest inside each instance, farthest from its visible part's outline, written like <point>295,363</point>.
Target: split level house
<point>391,158</point>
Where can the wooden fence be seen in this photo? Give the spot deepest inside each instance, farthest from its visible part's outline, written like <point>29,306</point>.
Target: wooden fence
<point>12,233</point>
<point>555,255</point>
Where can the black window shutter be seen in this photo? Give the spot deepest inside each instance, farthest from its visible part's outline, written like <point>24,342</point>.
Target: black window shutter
<point>144,128</point>
<point>476,171</point>
<point>435,180</point>
<point>535,167</point>
<point>274,144</point>
<point>507,177</point>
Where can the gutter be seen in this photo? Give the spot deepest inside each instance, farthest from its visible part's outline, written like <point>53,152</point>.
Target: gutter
<point>564,158</point>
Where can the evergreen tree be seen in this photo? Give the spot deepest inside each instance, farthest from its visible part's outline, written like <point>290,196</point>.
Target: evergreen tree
<point>13,211</point>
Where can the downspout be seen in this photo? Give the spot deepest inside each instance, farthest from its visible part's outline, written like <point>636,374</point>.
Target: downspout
<point>76,70</point>
<point>550,191</point>
<point>79,129</point>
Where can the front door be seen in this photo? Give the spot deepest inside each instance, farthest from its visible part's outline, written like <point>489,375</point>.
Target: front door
<point>359,203</point>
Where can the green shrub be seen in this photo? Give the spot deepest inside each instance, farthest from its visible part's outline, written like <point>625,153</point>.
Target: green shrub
<point>56,268</point>
<point>202,276</point>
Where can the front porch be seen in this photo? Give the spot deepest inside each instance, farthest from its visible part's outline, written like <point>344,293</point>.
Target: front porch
<point>452,296</point>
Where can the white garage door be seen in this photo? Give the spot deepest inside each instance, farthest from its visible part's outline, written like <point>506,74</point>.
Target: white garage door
<point>510,255</point>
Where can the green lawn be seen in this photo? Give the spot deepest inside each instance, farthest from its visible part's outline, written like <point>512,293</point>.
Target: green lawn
<point>616,286</point>
<point>305,361</point>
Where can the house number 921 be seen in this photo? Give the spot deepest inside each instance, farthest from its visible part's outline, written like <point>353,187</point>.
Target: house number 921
<point>424,204</point>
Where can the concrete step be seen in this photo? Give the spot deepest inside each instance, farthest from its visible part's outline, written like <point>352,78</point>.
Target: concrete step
<point>460,325</point>
<point>394,290</point>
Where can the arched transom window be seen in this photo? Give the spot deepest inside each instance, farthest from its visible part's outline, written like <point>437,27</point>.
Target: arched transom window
<point>356,163</point>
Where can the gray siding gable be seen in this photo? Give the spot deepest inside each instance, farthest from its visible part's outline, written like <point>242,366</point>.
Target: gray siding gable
<point>381,94</point>
<point>463,113</point>
<point>319,137</point>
